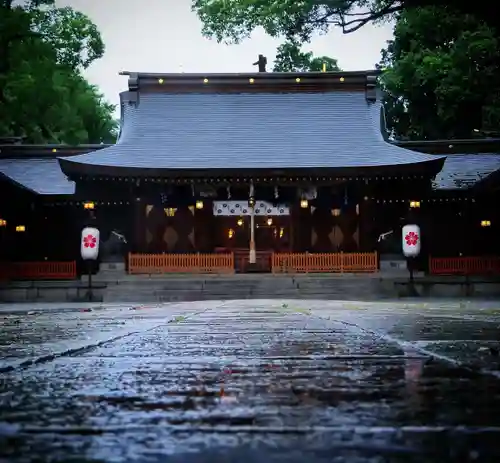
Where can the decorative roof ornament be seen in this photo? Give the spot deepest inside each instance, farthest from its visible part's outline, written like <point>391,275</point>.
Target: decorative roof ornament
<point>262,63</point>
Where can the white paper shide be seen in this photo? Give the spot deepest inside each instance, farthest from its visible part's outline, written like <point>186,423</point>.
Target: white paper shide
<point>89,246</point>
<point>411,240</point>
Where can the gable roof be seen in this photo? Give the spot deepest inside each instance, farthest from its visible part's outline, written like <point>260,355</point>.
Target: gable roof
<point>468,163</point>
<point>462,171</point>
<point>168,133</point>
<point>41,176</point>
<point>36,167</point>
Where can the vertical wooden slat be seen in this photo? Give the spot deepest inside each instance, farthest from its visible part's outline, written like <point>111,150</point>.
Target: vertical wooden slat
<point>464,265</point>
<point>324,262</point>
<point>38,270</point>
<point>180,263</point>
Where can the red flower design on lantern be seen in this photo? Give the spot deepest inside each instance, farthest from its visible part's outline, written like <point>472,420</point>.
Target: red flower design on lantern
<point>89,241</point>
<point>411,239</point>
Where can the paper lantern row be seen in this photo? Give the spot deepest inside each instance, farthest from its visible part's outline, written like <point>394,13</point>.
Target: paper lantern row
<point>243,208</point>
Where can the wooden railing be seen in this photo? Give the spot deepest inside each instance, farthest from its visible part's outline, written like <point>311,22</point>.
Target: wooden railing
<point>180,263</point>
<point>360,262</point>
<point>263,261</point>
<point>38,270</point>
<point>464,265</point>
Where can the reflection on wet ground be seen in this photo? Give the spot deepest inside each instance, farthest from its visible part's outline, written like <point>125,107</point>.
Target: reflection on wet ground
<point>242,383</point>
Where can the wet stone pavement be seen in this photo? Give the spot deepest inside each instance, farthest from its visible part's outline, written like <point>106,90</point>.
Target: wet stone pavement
<point>248,381</point>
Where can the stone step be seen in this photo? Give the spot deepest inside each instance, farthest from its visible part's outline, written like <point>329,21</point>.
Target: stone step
<point>241,289</point>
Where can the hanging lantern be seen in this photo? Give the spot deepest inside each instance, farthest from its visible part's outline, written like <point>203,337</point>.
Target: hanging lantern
<point>89,248</point>
<point>304,203</point>
<point>411,240</point>
<point>199,204</point>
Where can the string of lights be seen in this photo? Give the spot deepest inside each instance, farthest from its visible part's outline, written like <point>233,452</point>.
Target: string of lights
<point>303,202</point>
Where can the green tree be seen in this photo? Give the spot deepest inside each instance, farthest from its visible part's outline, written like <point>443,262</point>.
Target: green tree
<point>289,58</point>
<point>43,96</point>
<point>72,35</point>
<point>234,20</point>
<point>441,75</point>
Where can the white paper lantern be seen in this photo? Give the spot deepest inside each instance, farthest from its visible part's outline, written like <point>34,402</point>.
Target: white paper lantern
<point>89,247</point>
<point>411,240</point>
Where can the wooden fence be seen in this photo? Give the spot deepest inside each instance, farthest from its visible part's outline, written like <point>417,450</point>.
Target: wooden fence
<point>38,270</point>
<point>464,265</point>
<point>263,261</point>
<point>180,263</point>
<point>359,262</point>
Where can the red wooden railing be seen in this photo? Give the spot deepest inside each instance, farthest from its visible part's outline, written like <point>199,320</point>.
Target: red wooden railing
<point>464,265</point>
<point>38,270</point>
<point>356,262</point>
<point>263,261</point>
<point>180,263</point>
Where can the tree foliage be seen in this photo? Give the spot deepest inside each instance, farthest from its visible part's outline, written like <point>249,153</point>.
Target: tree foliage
<point>233,20</point>
<point>73,36</point>
<point>43,96</point>
<point>441,75</point>
<point>289,58</point>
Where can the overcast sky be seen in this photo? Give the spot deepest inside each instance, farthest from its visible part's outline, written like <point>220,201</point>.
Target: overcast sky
<point>165,36</point>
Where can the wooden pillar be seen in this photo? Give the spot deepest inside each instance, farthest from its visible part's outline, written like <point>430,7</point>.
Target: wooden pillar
<point>366,211</point>
<point>301,218</point>
<point>139,225</point>
<point>291,233</point>
<point>205,227</point>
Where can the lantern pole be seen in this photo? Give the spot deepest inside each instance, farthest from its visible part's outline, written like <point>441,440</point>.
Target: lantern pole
<point>410,269</point>
<point>411,238</point>
<point>89,288</point>
<point>252,256</point>
<point>89,250</point>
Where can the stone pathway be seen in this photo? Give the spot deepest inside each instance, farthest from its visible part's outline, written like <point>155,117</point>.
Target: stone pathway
<point>247,380</point>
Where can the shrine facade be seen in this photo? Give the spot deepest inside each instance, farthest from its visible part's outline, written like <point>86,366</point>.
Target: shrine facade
<point>249,163</point>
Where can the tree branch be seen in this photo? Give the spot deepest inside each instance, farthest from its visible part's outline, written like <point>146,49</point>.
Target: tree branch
<point>356,24</point>
<point>352,25</point>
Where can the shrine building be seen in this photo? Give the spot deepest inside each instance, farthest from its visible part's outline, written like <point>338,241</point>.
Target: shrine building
<point>257,171</point>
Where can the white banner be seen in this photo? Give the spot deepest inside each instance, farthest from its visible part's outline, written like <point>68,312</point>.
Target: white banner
<point>242,208</point>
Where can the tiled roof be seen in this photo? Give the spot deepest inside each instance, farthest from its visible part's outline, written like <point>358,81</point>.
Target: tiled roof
<point>251,131</point>
<point>462,171</point>
<point>42,176</point>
